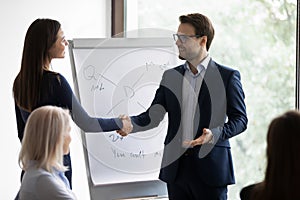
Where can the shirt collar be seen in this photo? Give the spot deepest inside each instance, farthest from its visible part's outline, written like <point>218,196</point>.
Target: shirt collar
<point>203,63</point>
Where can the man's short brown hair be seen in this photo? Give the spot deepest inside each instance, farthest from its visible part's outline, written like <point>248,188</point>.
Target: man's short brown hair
<point>202,25</point>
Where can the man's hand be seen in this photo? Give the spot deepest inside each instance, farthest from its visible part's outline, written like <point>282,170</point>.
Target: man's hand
<point>206,137</point>
<point>127,125</point>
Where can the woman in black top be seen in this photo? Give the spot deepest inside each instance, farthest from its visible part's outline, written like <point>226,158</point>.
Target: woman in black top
<point>36,85</point>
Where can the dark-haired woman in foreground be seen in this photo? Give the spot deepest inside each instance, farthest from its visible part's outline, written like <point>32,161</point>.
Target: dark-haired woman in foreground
<point>283,163</point>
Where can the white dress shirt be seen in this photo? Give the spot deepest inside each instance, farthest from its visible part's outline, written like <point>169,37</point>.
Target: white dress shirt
<point>190,92</point>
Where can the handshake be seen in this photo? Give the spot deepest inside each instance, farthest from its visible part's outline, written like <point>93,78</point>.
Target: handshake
<point>127,125</point>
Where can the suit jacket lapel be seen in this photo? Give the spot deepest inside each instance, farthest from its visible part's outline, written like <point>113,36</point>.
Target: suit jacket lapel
<point>213,93</point>
<point>178,80</point>
<point>206,79</point>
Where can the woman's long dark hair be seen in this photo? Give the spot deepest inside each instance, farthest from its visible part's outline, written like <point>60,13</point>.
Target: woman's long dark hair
<point>40,37</point>
<point>283,163</point>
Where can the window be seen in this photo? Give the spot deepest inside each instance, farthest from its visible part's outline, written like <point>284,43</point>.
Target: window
<point>257,37</point>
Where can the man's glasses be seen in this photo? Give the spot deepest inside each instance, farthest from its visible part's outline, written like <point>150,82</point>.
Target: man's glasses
<point>184,38</point>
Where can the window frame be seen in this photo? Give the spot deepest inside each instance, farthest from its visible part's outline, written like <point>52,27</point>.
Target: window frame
<point>297,88</point>
<point>118,16</point>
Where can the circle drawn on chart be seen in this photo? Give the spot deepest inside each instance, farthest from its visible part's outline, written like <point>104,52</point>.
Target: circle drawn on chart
<point>133,92</point>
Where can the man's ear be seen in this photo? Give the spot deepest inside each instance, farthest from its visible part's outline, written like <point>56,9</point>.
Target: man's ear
<point>203,41</point>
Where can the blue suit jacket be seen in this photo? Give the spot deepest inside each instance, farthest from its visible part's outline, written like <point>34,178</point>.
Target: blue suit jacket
<point>220,108</point>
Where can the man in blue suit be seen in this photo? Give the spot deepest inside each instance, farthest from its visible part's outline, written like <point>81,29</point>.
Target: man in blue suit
<point>205,105</point>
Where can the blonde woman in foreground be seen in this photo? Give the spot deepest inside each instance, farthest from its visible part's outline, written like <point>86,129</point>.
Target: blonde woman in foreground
<point>46,140</point>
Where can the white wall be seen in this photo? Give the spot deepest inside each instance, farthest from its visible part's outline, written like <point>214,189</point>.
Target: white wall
<point>79,19</point>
